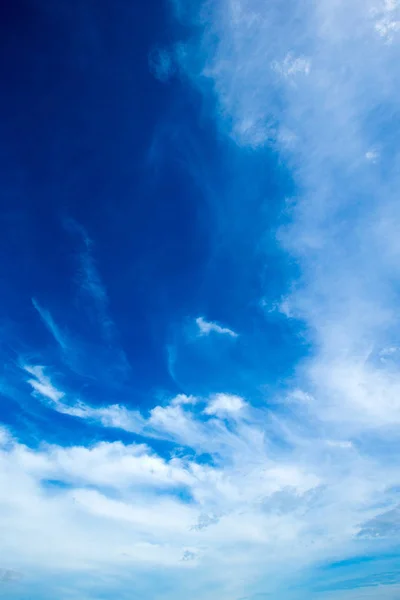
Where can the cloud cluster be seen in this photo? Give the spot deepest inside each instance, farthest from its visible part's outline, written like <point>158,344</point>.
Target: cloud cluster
<point>273,484</point>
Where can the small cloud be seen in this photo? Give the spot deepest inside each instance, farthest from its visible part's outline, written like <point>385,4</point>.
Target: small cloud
<point>254,131</point>
<point>207,327</point>
<point>284,307</point>
<point>292,66</point>
<point>50,324</point>
<point>387,27</point>
<point>389,351</point>
<point>286,138</point>
<point>90,281</point>
<point>182,399</point>
<point>221,404</point>
<point>388,21</point>
<point>343,444</point>
<point>42,384</point>
<point>188,555</point>
<point>161,64</point>
<point>298,396</point>
<point>388,354</point>
<point>205,521</point>
<point>372,155</point>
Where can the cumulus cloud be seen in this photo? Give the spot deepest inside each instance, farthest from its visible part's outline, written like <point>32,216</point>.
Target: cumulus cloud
<point>221,404</point>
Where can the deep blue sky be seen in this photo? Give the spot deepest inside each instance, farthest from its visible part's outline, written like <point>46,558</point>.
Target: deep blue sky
<point>90,135</point>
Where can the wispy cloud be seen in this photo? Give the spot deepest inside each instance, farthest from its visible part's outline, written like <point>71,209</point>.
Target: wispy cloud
<point>90,281</point>
<point>51,325</point>
<point>292,66</point>
<point>42,385</point>
<point>299,82</point>
<point>94,300</point>
<point>207,327</point>
<point>346,247</point>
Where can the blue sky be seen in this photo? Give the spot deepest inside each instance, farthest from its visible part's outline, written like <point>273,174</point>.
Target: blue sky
<point>199,276</point>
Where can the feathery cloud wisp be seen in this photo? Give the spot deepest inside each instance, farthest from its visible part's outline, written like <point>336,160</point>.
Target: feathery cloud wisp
<point>207,327</point>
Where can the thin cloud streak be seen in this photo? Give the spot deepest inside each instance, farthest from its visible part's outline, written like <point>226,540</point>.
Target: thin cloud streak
<point>90,281</point>
<point>51,325</point>
<point>207,327</point>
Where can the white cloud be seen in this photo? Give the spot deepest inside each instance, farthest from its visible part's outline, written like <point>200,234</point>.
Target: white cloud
<point>109,416</point>
<point>120,504</point>
<point>207,327</point>
<point>182,399</point>
<point>340,444</point>
<point>114,506</point>
<point>387,15</point>
<point>42,385</point>
<point>372,155</point>
<point>51,325</point>
<point>292,66</point>
<point>224,404</point>
<point>114,465</point>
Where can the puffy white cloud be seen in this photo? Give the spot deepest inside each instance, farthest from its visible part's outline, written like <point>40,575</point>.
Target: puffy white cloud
<point>224,404</point>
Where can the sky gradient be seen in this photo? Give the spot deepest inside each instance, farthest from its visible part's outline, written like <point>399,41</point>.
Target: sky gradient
<point>199,269</point>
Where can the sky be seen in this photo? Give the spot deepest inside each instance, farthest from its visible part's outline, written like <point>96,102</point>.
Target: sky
<point>199,271</point>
